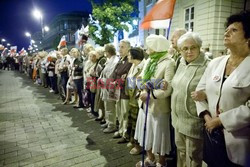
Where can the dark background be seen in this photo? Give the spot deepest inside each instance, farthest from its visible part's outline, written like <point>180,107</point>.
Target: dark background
<point>16,17</point>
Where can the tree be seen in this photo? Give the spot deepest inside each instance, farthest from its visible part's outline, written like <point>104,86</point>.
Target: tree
<point>110,17</point>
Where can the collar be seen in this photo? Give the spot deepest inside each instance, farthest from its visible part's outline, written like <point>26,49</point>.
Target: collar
<point>199,61</point>
<point>163,58</point>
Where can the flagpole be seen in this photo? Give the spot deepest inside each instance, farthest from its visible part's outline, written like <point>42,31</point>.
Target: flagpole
<point>169,28</point>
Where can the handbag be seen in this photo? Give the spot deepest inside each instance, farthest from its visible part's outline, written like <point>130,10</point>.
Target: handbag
<point>214,146</point>
<point>85,98</point>
<point>216,137</point>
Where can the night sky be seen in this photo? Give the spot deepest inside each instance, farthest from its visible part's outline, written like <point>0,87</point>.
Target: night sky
<point>17,18</point>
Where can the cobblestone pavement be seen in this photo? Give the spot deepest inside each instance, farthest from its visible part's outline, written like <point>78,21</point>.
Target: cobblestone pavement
<point>36,130</point>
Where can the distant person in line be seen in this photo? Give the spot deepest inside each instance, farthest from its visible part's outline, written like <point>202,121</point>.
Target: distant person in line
<point>176,35</point>
<point>208,54</point>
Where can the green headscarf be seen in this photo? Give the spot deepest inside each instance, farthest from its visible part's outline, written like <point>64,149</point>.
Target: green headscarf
<point>151,67</point>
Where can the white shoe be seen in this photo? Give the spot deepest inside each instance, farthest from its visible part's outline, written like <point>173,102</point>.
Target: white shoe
<point>116,135</point>
<point>104,125</point>
<point>88,110</point>
<point>130,145</point>
<point>109,130</point>
<point>51,91</point>
<point>135,151</point>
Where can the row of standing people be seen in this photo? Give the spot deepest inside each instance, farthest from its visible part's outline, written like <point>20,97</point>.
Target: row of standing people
<point>208,101</point>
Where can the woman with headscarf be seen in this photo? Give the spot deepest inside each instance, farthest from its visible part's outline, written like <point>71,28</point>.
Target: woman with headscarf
<point>158,68</point>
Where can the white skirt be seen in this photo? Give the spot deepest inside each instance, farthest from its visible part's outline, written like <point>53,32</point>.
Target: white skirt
<point>157,132</point>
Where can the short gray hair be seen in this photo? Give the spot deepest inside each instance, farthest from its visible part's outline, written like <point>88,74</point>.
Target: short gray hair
<point>100,51</point>
<point>190,35</point>
<point>180,31</point>
<point>110,48</point>
<point>126,42</point>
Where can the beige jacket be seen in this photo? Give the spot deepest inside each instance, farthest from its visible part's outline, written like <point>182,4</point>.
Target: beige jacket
<point>165,71</point>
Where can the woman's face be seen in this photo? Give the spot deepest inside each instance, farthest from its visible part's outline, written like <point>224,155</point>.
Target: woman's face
<point>92,57</point>
<point>63,51</point>
<point>149,51</point>
<point>234,35</point>
<point>190,50</point>
<point>74,53</point>
<point>106,54</point>
<point>129,58</point>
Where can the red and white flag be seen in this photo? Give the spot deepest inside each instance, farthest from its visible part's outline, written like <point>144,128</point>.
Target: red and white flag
<point>13,49</point>
<point>21,52</point>
<point>62,41</point>
<point>159,16</point>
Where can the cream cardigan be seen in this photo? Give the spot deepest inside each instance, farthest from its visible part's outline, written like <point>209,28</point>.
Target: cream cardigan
<point>184,114</point>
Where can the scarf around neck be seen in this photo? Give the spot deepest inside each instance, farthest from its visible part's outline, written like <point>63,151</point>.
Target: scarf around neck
<point>152,65</point>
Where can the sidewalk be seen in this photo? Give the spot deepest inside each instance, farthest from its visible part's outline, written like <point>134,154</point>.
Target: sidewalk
<point>37,130</point>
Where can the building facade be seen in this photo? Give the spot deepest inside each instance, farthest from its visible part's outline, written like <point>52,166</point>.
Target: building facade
<point>206,17</point>
<point>64,24</point>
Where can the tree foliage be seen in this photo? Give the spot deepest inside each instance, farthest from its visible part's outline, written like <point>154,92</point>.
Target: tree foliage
<point>110,17</point>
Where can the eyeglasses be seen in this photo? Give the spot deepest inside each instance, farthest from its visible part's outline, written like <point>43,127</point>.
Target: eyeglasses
<point>186,49</point>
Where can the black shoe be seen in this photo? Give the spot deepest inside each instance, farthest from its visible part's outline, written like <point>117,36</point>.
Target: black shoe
<point>77,107</point>
<point>98,119</point>
<point>103,122</point>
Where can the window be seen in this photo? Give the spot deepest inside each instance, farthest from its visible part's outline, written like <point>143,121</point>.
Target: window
<point>66,25</point>
<point>189,19</point>
<point>157,31</point>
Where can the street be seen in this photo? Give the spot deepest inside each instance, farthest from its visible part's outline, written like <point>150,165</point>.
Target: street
<point>37,130</point>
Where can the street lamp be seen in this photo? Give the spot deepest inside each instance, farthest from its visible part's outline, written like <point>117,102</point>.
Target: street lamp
<point>3,40</point>
<point>8,44</point>
<point>27,34</point>
<point>38,15</point>
<point>46,28</point>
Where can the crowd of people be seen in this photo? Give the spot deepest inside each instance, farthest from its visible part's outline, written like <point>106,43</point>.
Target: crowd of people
<point>171,99</point>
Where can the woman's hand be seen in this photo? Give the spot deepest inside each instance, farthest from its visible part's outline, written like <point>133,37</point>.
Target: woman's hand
<point>207,117</point>
<point>198,95</point>
<point>213,123</point>
<point>143,96</point>
<point>164,85</point>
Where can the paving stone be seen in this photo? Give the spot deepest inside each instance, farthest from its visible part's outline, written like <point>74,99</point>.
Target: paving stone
<point>8,155</point>
<point>17,158</point>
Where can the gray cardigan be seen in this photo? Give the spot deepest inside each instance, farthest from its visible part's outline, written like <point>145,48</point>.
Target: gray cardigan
<point>184,113</point>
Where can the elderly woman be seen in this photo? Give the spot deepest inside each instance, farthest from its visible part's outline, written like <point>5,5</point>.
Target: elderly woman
<point>188,126</point>
<point>109,105</point>
<point>91,81</point>
<point>100,64</point>
<point>159,67</point>
<point>226,111</point>
<point>136,56</point>
<point>77,75</point>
